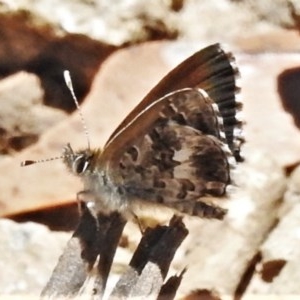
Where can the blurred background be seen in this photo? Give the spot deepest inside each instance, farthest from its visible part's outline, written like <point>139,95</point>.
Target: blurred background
<point>116,51</point>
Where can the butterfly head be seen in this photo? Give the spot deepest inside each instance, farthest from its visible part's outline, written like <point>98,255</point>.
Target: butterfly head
<point>81,162</point>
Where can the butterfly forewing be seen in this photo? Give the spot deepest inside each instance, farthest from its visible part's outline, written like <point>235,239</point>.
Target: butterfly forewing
<point>211,69</point>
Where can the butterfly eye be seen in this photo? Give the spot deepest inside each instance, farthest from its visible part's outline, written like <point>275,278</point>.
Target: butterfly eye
<point>80,165</point>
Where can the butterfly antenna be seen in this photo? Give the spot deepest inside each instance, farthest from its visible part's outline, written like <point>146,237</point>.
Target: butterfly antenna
<point>32,162</point>
<point>69,84</point>
<point>68,81</point>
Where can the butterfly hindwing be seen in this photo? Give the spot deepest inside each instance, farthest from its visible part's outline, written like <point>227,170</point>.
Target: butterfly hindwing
<point>176,154</point>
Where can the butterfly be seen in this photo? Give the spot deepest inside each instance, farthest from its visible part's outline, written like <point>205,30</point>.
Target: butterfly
<point>175,149</point>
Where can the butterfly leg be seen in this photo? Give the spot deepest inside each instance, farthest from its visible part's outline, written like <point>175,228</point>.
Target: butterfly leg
<point>137,221</point>
<point>199,209</point>
<point>87,198</point>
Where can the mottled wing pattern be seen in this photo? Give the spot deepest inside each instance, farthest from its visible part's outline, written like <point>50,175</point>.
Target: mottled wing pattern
<point>211,69</point>
<point>175,148</point>
<point>178,158</point>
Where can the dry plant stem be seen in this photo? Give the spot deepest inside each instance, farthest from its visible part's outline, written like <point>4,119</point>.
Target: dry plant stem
<point>93,237</point>
<point>108,244</point>
<point>73,265</point>
<point>150,262</point>
<point>169,289</point>
<point>159,245</point>
<point>99,236</point>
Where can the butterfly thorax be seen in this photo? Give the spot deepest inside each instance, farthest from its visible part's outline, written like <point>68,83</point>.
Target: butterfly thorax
<point>98,186</point>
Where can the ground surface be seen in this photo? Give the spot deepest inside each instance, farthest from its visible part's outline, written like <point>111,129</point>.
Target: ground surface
<point>255,251</point>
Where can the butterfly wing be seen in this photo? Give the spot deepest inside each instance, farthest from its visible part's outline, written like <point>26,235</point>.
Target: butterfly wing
<point>173,153</point>
<point>175,146</point>
<point>211,69</point>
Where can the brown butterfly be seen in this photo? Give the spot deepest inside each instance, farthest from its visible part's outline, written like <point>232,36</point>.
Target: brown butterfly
<point>176,148</point>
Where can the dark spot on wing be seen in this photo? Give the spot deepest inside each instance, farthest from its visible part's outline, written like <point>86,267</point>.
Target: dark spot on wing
<point>139,169</point>
<point>133,152</point>
<point>186,185</point>
<point>182,194</point>
<point>179,119</point>
<point>158,183</point>
<point>159,199</point>
<point>169,110</point>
